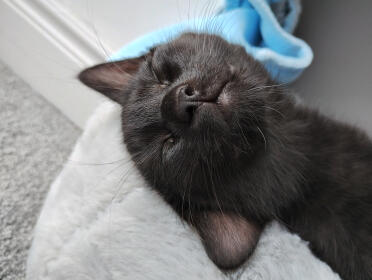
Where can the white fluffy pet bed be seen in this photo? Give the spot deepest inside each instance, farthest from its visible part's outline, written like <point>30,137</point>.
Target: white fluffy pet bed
<point>100,221</point>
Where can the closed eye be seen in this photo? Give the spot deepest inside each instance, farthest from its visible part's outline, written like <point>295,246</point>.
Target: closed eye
<point>168,143</point>
<point>163,83</point>
<point>163,70</point>
<point>153,71</point>
<point>169,139</point>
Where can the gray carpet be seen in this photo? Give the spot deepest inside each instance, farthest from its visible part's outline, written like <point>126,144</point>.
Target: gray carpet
<point>35,140</point>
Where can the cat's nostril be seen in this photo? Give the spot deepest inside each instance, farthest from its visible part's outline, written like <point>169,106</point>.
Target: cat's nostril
<point>187,90</point>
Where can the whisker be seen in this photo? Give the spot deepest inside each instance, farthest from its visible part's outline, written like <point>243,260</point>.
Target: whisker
<point>275,110</point>
<point>265,87</point>
<point>93,164</point>
<point>263,136</point>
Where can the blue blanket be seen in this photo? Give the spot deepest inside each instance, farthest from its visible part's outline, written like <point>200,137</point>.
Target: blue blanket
<point>263,27</point>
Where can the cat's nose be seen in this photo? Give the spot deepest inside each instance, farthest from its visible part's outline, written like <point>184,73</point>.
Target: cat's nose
<point>188,100</point>
<point>180,104</point>
<point>187,92</point>
<point>190,93</point>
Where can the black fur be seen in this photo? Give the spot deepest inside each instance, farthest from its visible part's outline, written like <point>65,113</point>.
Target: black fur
<point>230,151</point>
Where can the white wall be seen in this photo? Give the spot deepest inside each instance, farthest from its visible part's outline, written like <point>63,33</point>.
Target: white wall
<point>117,22</point>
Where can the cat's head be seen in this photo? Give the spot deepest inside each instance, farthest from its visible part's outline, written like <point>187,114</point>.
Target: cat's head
<point>194,118</point>
<point>193,112</point>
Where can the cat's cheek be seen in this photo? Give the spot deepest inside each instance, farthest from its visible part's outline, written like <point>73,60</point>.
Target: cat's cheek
<point>225,106</point>
<point>224,99</point>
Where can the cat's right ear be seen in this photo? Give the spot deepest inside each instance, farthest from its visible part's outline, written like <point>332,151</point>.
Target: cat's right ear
<point>112,77</point>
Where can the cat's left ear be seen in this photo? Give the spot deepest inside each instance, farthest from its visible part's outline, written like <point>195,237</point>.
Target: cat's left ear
<point>111,78</point>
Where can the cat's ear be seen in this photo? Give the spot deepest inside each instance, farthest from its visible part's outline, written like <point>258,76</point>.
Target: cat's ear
<point>228,239</point>
<point>112,77</point>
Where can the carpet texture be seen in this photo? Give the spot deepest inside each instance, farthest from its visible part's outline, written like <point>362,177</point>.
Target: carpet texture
<point>35,140</point>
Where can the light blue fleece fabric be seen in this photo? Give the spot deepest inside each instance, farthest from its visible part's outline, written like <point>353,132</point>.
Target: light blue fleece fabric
<point>262,27</point>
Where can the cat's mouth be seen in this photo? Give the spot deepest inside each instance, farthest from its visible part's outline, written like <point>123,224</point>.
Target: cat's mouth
<point>209,111</point>
<point>185,105</point>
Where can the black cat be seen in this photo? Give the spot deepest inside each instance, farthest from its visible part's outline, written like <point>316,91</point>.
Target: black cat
<point>230,151</point>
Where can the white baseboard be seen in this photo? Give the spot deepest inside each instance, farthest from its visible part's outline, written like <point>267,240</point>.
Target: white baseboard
<point>47,47</point>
